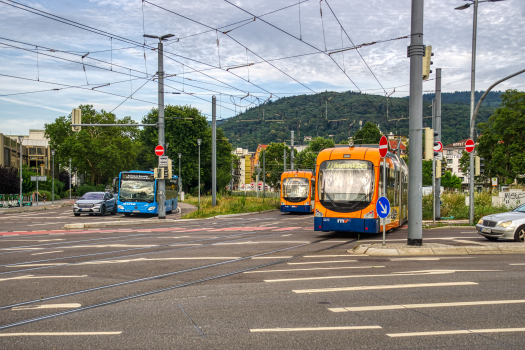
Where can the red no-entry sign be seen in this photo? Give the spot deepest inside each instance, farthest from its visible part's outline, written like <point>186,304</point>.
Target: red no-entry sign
<point>159,150</point>
<point>383,146</point>
<point>469,145</point>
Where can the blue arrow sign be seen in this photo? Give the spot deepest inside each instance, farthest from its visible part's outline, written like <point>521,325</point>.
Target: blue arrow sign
<point>383,207</point>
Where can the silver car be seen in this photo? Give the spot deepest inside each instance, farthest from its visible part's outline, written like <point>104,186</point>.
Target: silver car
<point>509,225</point>
<point>95,203</point>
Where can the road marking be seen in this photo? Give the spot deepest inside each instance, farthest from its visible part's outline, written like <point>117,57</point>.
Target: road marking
<point>392,286</point>
<point>286,235</point>
<point>516,264</point>
<point>56,251</point>
<point>317,268</point>
<point>272,257</point>
<point>421,306</point>
<point>45,334</point>
<point>48,223</point>
<point>265,242</point>
<point>153,259</point>
<point>463,331</point>
<point>287,228</point>
<point>426,259</point>
<point>327,256</point>
<point>261,330</point>
<point>321,262</point>
<point>330,241</point>
<point>21,231</point>
<point>37,277</point>
<point>47,306</point>
<point>22,248</point>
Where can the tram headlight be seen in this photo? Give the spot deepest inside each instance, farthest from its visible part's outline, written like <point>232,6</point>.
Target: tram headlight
<point>369,215</point>
<point>121,207</point>
<point>318,213</point>
<point>282,203</point>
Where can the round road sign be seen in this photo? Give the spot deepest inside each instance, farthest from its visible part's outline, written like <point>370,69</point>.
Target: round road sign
<point>382,207</point>
<point>159,150</point>
<point>469,145</point>
<point>438,147</point>
<point>383,146</point>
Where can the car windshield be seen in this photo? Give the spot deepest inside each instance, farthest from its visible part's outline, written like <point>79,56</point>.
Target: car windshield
<point>137,191</point>
<point>520,209</point>
<point>92,196</point>
<point>346,185</point>
<point>295,189</point>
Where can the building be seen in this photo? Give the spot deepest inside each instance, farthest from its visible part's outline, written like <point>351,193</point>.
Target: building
<point>451,155</point>
<point>36,153</point>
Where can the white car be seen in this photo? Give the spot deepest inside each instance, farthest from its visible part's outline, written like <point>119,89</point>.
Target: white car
<point>509,225</point>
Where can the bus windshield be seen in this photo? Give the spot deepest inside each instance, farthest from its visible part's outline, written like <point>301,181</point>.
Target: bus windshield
<point>295,189</point>
<point>137,191</point>
<point>346,185</point>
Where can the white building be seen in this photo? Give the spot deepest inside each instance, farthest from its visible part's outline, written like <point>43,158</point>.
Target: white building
<point>451,155</point>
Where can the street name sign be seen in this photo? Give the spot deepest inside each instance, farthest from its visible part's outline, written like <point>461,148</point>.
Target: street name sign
<point>38,178</point>
<point>163,161</point>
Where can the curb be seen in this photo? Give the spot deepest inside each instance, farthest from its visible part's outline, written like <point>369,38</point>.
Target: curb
<point>240,214</point>
<point>118,223</point>
<point>441,250</point>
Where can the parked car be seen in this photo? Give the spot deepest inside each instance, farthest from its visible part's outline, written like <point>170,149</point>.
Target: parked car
<point>95,203</point>
<point>509,225</point>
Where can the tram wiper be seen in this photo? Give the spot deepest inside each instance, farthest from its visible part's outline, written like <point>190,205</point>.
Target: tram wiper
<point>356,203</point>
<point>331,200</point>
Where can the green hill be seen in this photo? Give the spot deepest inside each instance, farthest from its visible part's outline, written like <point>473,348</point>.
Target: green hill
<point>337,115</point>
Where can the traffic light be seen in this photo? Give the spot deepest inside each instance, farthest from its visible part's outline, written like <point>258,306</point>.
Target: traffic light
<point>427,62</point>
<point>430,134</point>
<point>158,173</point>
<point>479,165</point>
<point>438,169</point>
<point>76,118</point>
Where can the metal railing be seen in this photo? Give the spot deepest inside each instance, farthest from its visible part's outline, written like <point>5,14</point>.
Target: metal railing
<point>254,194</point>
<point>13,200</point>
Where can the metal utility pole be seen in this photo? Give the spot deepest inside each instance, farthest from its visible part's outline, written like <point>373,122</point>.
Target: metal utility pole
<point>20,138</point>
<point>257,180</point>
<point>160,74</point>
<point>53,191</point>
<point>291,155</point>
<point>264,175</point>
<point>213,151</point>
<point>69,180</point>
<point>437,128</point>
<point>472,106</point>
<point>231,181</point>
<point>416,51</point>
<point>199,144</point>
<point>433,165</point>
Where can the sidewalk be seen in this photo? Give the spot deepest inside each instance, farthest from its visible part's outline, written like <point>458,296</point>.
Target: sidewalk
<point>401,249</point>
<point>41,206</point>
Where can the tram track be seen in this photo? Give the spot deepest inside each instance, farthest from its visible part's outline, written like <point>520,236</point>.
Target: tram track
<point>168,288</point>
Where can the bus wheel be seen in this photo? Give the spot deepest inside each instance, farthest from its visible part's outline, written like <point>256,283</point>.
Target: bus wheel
<point>127,214</point>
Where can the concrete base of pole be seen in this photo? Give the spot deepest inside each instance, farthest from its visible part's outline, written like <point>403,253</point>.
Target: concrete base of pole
<point>417,242</point>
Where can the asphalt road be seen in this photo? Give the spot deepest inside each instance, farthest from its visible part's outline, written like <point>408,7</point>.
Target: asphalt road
<point>265,281</point>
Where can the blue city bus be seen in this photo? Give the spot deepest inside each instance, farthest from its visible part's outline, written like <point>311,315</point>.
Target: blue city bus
<point>138,193</point>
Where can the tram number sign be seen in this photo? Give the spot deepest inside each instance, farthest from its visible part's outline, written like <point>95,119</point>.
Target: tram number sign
<point>159,150</point>
<point>469,145</point>
<point>383,146</point>
<point>382,207</point>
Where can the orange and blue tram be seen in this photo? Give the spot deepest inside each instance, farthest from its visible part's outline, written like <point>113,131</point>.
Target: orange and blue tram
<point>297,191</point>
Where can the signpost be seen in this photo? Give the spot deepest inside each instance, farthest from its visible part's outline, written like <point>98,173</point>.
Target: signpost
<point>38,178</point>
<point>380,205</point>
<point>469,145</point>
<point>383,210</point>
<point>159,150</point>
<point>163,161</point>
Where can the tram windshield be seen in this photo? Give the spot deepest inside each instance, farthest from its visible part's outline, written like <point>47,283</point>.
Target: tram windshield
<point>346,185</point>
<point>295,189</point>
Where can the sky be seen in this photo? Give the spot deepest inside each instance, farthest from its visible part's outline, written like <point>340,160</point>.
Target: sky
<point>283,48</point>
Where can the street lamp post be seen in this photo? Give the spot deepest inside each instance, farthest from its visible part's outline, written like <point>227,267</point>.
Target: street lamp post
<point>199,143</point>
<point>20,138</point>
<point>472,99</point>
<point>53,191</point>
<point>69,180</point>
<point>160,123</point>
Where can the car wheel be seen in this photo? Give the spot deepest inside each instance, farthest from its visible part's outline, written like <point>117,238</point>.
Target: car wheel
<point>519,236</point>
<point>492,238</point>
<point>76,214</point>
<point>114,210</point>
<point>102,210</point>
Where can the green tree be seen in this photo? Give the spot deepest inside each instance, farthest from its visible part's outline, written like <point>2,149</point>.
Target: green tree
<point>450,181</point>
<point>274,160</point>
<point>183,126</point>
<point>427,173</point>
<point>99,152</point>
<point>503,139</point>
<point>369,134</point>
<point>307,158</point>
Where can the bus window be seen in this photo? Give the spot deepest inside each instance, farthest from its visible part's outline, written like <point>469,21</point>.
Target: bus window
<point>295,189</point>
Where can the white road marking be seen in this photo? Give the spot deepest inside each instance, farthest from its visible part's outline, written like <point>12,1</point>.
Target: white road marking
<point>321,262</point>
<point>46,306</point>
<point>429,258</point>
<point>48,223</point>
<point>27,277</point>
<point>154,259</point>
<point>327,256</point>
<point>392,286</point>
<point>286,235</point>
<point>516,264</point>
<point>22,248</point>
<point>56,251</point>
<point>265,242</point>
<point>335,242</point>
<point>45,334</point>
<point>260,330</point>
<point>318,268</point>
<point>272,257</point>
<point>462,331</point>
<point>421,306</point>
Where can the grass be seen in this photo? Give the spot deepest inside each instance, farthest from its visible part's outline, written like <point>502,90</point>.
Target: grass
<point>453,204</point>
<point>229,205</point>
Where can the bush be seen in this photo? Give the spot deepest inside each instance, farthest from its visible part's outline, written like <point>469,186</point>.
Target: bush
<point>90,188</point>
<point>48,196</point>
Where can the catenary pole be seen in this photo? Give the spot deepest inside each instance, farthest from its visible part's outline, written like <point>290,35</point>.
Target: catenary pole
<point>213,152</point>
<point>472,105</point>
<point>53,186</point>
<point>433,165</point>
<point>437,128</point>
<point>292,153</point>
<point>264,174</point>
<point>416,52</point>
<point>160,73</point>
<point>69,181</point>
<point>284,158</point>
<point>20,138</point>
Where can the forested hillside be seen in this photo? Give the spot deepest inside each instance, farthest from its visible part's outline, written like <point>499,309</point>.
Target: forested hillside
<point>337,115</point>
